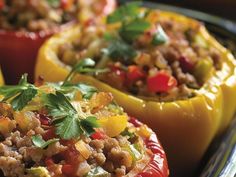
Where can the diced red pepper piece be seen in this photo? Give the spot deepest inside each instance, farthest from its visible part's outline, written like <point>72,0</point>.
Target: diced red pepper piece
<point>98,135</point>
<point>134,73</point>
<point>119,72</point>
<point>44,119</point>
<point>66,4</point>
<point>161,82</point>
<point>49,161</point>
<point>186,64</point>
<point>2,4</point>
<point>67,169</point>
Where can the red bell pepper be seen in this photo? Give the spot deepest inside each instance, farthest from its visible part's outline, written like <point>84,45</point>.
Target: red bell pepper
<point>134,73</point>
<point>98,135</point>
<point>18,51</point>
<point>2,4</point>
<point>157,166</point>
<point>161,82</point>
<point>66,4</point>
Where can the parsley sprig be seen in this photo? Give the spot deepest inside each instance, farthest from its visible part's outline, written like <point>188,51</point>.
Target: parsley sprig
<point>83,66</point>
<point>133,24</point>
<point>38,141</point>
<point>69,123</point>
<point>19,95</point>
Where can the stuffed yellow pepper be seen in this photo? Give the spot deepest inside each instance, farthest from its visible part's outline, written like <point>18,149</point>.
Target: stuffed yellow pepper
<point>161,67</point>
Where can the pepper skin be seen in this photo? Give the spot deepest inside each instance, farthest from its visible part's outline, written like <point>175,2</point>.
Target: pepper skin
<point>1,78</point>
<point>18,50</point>
<point>185,127</point>
<point>157,167</point>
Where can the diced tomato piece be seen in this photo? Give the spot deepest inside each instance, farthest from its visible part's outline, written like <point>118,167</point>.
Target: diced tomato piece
<point>49,134</point>
<point>2,4</point>
<point>98,135</point>
<point>161,82</point>
<point>134,73</point>
<point>67,169</point>
<point>186,64</point>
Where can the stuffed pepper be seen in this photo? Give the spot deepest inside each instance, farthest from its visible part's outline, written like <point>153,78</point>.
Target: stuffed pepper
<point>72,130</point>
<point>163,68</point>
<point>26,24</point>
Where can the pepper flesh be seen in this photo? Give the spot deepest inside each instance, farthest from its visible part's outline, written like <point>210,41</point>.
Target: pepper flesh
<point>186,127</point>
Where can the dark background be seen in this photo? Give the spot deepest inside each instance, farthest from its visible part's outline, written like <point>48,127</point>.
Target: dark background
<point>222,8</point>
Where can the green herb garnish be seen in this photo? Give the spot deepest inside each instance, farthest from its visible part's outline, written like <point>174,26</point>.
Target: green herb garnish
<point>118,50</point>
<point>132,23</point>
<point>54,3</point>
<point>125,12</point>
<point>69,124</point>
<point>19,95</point>
<point>84,66</point>
<point>39,142</point>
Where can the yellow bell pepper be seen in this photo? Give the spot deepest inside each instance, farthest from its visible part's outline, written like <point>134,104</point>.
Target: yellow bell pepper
<point>1,78</point>
<point>185,127</point>
<point>113,125</point>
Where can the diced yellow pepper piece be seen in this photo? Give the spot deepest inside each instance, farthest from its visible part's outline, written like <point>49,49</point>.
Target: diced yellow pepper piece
<point>113,125</point>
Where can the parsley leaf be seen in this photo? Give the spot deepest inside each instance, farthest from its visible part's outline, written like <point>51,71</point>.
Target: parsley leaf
<point>20,95</point>
<point>39,142</point>
<point>67,120</point>
<point>118,50</point>
<point>86,90</point>
<point>129,32</point>
<point>89,124</point>
<point>128,10</point>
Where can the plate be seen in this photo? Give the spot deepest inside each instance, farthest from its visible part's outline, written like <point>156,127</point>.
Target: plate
<point>220,159</point>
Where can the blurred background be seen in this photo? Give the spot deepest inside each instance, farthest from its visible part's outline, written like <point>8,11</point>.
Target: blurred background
<point>222,8</point>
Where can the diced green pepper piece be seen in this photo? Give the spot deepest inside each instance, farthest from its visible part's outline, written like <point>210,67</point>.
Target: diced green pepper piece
<point>202,69</point>
<point>38,172</point>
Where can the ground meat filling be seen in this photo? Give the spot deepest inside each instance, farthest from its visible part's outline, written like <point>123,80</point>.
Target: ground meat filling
<point>184,60</point>
<point>111,156</point>
<point>34,15</point>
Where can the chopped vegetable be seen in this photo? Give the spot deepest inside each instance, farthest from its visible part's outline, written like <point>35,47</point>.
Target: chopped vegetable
<point>39,142</point>
<point>203,68</point>
<point>113,125</point>
<point>5,125</point>
<point>83,149</point>
<point>38,172</point>
<point>161,82</point>
<point>134,73</point>
<point>98,135</point>
<point>67,169</point>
